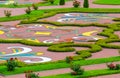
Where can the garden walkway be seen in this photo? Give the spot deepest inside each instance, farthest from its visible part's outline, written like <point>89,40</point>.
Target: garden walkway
<point>18,11</point>
<point>64,70</point>
<point>109,76</point>
<point>11,23</point>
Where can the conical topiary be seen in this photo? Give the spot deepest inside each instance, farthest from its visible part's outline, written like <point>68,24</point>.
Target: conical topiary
<point>86,4</point>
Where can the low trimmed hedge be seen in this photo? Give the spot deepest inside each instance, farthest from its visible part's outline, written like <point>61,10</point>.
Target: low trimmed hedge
<point>72,24</point>
<point>116,19</point>
<point>105,43</point>
<point>52,12</point>
<point>67,47</point>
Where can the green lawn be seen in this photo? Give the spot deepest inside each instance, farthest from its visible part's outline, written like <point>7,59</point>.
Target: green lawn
<point>35,13</point>
<point>86,74</point>
<point>26,5</point>
<point>58,65</point>
<point>50,12</point>
<point>56,2</point>
<point>108,2</point>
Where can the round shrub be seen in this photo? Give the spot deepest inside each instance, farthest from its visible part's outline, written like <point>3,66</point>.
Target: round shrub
<point>51,1</point>
<point>62,2</point>
<point>77,69</point>
<point>35,7</point>
<point>11,64</point>
<point>69,59</point>
<point>76,3</point>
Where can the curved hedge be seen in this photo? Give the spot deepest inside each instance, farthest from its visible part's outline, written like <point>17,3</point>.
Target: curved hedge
<point>67,47</point>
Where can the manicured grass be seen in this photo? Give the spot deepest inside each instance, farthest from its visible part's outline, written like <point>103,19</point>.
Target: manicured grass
<point>33,14</point>
<point>26,5</point>
<point>90,73</point>
<point>108,2</point>
<point>56,2</point>
<point>57,65</point>
<point>50,12</point>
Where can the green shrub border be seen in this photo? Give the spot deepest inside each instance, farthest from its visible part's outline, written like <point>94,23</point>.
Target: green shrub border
<point>52,12</point>
<point>56,65</point>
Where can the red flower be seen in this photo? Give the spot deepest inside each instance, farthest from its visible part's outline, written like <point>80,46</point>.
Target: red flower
<point>11,59</point>
<point>111,65</point>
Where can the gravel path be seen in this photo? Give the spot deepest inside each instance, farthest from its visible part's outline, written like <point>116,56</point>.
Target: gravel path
<point>109,76</point>
<point>11,23</point>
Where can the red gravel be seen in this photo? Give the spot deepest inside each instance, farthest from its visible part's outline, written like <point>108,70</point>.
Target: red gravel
<point>11,23</point>
<point>53,55</point>
<point>105,53</point>
<point>63,32</point>
<point>2,77</point>
<point>115,43</point>
<point>117,33</point>
<point>108,76</point>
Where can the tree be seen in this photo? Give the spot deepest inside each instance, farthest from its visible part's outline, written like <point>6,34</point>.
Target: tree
<point>86,4</point>
<point>62,2</point>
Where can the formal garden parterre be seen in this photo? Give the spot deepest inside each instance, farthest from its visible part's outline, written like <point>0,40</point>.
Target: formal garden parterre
<point>50,39</point>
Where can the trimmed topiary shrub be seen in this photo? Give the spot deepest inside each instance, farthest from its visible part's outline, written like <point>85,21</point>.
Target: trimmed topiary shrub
<point>77,69</point>
<point>117,66</point>
<point>69,59</point>
<point>15,4</point>
<point>11,64</point>
<point>35,7</point>
<point>76,3</point>
<point>111,66</point>
<point>86,4</point>
<point>28,10</point>
<point>30,74</point>
<point>51,1</point>
<point>7,13</point>
<point>62,2</point>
